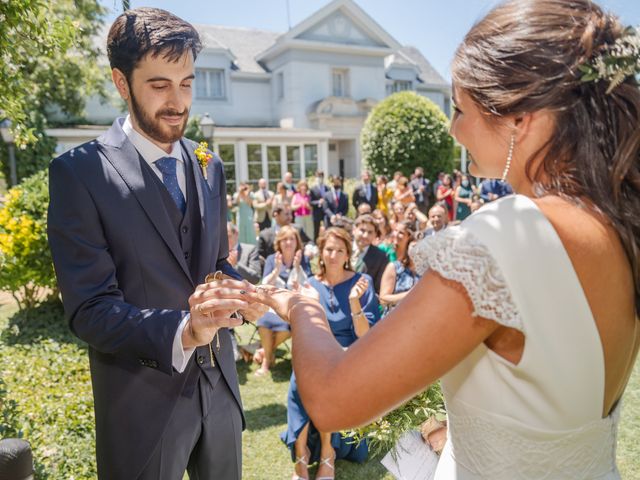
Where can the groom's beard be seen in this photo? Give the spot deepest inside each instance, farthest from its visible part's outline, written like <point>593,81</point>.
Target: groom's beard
<point>153,127</point>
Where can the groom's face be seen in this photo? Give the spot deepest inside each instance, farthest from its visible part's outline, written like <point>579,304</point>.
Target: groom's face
<point>159,96</point>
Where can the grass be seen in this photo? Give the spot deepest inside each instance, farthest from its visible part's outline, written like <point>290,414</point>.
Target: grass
<point>264,455</point>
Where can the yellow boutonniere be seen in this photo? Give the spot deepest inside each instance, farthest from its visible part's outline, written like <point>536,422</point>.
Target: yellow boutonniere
<point>204,157</point>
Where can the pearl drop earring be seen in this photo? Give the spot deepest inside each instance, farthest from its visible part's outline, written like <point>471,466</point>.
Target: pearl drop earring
<point>509,157</point>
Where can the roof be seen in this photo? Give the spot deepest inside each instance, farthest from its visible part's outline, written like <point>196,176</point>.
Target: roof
<point>428,74</point>
<point>244,43</point>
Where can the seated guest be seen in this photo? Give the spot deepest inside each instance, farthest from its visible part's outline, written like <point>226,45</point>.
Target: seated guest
<point>363,209</point>
<point>418,219</point>
<point>475,205</point>
<point>286,268</point>
<point>366,257</point>
<point>352,308</point>
<point>438,219</point>
<point>399,276</point>
<point>243,257</point>
<point>301,207</point>
<point>336,203</point>
<point>281,216</point>
<point>384,242</point>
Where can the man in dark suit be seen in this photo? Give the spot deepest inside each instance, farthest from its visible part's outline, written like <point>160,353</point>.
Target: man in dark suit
<point>336,203</point>
<point>421,187</point>
<point>366,257</point>
<point>365,192</point>
<point>244,257</point>
<point>317,194</point>
<point>135,225</point>
<point>267,237</point>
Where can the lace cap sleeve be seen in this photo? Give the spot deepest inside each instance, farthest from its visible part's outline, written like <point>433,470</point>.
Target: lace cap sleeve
<point>456,254</point>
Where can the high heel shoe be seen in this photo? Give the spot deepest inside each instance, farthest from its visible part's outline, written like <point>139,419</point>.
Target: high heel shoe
<point>303,460</point>
<point>328,462</point>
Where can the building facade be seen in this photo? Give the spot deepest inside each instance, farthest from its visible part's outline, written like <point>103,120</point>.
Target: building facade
<point>295,101</point>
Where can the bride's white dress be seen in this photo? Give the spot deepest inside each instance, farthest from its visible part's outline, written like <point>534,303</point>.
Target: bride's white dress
<point>541,418</point>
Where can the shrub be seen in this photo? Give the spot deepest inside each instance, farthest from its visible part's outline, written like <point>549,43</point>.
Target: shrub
<point>45,395</point>
<point>404,131</point>
<point>26,268</point>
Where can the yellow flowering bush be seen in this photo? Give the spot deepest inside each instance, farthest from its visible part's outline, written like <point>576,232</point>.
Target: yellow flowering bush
<point>26,269</point>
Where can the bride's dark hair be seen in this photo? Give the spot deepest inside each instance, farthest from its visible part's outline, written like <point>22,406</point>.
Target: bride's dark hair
<point>524,56</point>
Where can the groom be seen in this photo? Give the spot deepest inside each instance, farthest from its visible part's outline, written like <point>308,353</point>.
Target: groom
<point>134,228</point>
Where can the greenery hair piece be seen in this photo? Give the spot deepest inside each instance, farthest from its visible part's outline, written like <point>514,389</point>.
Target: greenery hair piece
<point>616,62</point>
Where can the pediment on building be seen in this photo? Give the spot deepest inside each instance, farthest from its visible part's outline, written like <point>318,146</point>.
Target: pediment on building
<point>340,28</point>
<point>341,24</point>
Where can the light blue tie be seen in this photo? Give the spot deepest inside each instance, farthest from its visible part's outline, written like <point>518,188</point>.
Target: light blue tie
<point>167,165</point>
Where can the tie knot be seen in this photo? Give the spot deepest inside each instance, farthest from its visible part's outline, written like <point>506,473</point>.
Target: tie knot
<point>167,165</point>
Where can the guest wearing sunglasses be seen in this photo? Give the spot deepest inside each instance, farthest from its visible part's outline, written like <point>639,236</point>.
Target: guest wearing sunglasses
<point>352,308</point>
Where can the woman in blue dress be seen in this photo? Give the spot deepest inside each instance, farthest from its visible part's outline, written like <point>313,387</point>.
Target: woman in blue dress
<point>286,268</point>
<point>350,303</point>
<point>399,276</point>
<point>243,200</point>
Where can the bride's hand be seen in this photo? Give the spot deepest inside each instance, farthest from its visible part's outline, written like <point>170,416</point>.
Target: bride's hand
<point>278,299</point>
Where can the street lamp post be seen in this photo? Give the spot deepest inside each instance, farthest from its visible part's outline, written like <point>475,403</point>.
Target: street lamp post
<point>207,126</point>
<point>7,136</point>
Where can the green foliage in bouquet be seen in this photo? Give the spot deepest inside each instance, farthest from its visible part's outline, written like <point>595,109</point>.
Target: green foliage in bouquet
<point>404,131</point>
<point>384,433</point>
<point>26,268</point>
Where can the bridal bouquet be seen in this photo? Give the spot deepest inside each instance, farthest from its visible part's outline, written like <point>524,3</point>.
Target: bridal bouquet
<point>384,433</point>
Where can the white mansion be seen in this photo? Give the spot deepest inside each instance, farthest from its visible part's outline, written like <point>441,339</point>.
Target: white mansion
<point>294,101</point>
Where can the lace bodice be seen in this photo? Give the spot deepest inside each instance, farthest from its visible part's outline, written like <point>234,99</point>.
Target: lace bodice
<point>541,418</point>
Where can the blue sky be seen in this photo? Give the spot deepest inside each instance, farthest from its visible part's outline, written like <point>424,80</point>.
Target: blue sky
<point>435,27</point>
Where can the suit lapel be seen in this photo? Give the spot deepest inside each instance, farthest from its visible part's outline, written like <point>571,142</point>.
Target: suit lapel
<point>203,190</point>
<point>126,160</point>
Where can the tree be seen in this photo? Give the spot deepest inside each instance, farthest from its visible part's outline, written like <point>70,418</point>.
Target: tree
<point>404,131</point>
<point>49,64</point>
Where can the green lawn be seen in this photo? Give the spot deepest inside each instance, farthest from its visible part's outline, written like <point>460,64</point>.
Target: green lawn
<point>45,393</point>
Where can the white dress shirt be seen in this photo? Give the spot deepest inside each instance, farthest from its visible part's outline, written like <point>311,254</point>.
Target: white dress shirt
<point>150,152</point>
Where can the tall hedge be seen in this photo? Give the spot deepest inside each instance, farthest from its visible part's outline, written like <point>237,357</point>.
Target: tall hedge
<point>404,131</point>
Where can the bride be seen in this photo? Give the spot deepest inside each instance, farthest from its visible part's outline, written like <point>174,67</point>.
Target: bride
<point>528,311</point>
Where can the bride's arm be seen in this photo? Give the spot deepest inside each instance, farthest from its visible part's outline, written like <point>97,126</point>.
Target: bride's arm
<point>424,337</point>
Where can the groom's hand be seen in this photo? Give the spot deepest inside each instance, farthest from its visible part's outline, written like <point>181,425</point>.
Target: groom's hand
<point>211,306</point>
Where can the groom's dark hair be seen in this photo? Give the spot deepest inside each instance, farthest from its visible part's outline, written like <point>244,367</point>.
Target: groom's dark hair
<point>141,31</point>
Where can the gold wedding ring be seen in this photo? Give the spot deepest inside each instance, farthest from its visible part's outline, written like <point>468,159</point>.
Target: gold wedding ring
<point>214,277</point>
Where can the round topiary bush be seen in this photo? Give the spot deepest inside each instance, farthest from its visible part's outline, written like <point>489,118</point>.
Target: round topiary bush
<point>404,131</point>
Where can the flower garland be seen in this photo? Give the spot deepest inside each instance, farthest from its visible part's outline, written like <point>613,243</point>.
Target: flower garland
<point>204,157</point>
<point>616,62</point>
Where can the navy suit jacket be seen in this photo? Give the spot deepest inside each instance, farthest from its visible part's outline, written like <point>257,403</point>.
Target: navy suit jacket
<point>125,286</point>
<point>330,207</point>
<point>360,196</point>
